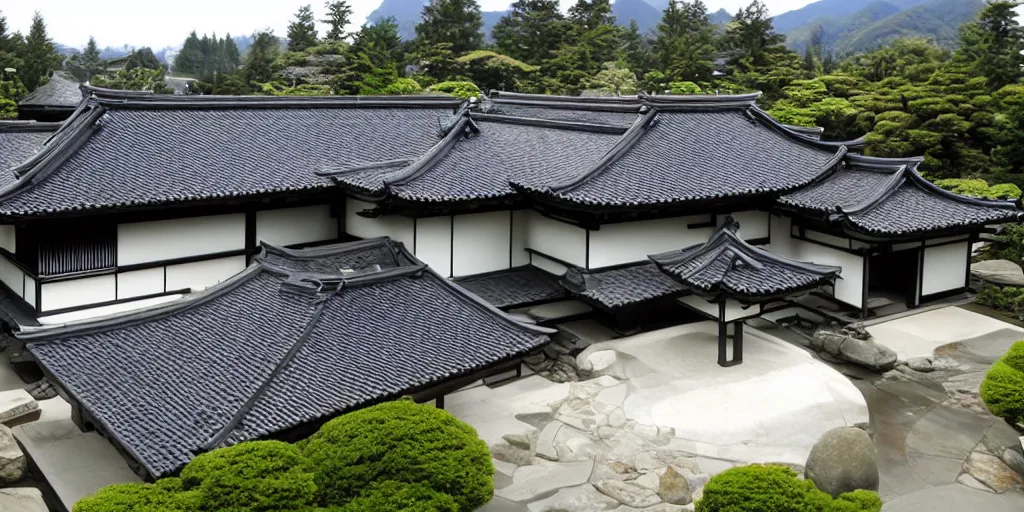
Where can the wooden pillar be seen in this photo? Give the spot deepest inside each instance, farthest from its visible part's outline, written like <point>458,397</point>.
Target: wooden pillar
<point>737,344</point>
<point>439,402</point>
<point>723,340</point>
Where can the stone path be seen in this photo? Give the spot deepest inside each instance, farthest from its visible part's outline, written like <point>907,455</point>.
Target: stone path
<point>649,437</point>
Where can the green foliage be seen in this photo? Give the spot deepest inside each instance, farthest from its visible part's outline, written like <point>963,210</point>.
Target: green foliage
<point>403,442</point>
<point>255,476</point>
<point>769,488</point>
<point>338,15</point>
<point>261,58</point>
<point>979,188</point>
<point>1003,387</point>
<point>685,42</point>
<point>684,88</point>
<point>401,497</point>
<point>302,31</point>
<point>207,58</point>
<point>135,498</point>
<point>39,56</point>
<point>614,78</point>
<point>86,65</point>
<point>465,90</point>
<point>280,89</point>
<point>531,31</point>
<point>993,44</point>
<point>1008,244</point>
<point>457,23</point>
<point>137,79</point>
<point>493,70</point>
<point>403,86</point>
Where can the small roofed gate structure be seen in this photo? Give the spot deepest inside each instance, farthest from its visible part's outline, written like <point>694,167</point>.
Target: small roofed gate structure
<point>727,273</point>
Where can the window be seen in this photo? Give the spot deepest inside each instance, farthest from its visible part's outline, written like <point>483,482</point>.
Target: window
<point>67,248</point>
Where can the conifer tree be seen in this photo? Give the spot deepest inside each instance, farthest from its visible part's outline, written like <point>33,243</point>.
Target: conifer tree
<point>457,23</point>
<point>10,46</point>
<point>531,31</point>
<point>87,64</point>
<point>637,50</point>
<point>685,42</point>
<point>41,57</point>
<point>993,43</point>
<point>338,15</point>
<point>302,31</point>
<point>751,39</point>
<point>259,61</point>
<point>232,57</point>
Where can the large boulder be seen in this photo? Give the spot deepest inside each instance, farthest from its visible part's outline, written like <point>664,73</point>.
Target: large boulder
<point>674,488</point>
<point>12,461</point>
<point>843,460</point>
<point>17,404</point>
<point>863,352</point>
<point>998,272</point>
<point>991,471</point>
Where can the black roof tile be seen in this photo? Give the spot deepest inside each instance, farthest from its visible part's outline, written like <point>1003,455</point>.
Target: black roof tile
<point>728,267</point>
<point>621,286</point>
<point>286,342</point>
<point>19,140</point>
<point>888,197</point>
<point>61,92</point>
<point>128,150</point>
<point>514,287</point>
<point>693,149</point>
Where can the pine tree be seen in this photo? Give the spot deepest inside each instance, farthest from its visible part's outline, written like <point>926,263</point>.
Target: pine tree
<point>302,31</point>
<point>91,62</point>
<point>259,61</point>
<point>457,23</point>
<point>685,43</point>
<point>637,50</point>
<point>338,15</point>
<point>40,57</point>
<point>751,38</point>
<point>189,59</point>
<point>993,43</point>
<point>531,31</point>
<point>10,46</point>
<point>232,57</point>
<point>143,58</point>
<point>592,27</point>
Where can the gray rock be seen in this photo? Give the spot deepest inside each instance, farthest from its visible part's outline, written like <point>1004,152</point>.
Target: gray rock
<point>973,483</point>
<point>520,441</point>
<point>674,488</point>
<point>535,359</point>
<point>508,453</point>
<point>992,472</point>
<point>853,349</point>
<point>543,479</point>
<point>1000,272</point>
<point>22,499</point>
<point>1014,460</point>
<point>628,493</point>
<point>843,460</point>
<point>15,404</point>
<point>12,461</point>
<point>546,441</point>
<point>920,364</point>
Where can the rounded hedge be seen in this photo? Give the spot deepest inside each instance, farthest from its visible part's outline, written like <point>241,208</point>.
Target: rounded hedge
<point>255,476</point>
<point>771,488</point>
<point>402,442</point>
<point>136,498</point>
<point>1003,392</point>
<point>401,497</point>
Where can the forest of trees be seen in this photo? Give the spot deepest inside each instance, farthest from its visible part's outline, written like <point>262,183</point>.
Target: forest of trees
<point>963,110</point>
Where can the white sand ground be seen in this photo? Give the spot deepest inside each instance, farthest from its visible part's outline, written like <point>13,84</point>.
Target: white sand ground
<point>919,335</point>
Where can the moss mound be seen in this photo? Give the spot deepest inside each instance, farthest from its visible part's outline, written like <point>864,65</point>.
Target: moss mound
<point>769,488</point>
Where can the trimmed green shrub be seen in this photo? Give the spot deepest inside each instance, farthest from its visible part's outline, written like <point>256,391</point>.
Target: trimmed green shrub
<point>403,442</point>
<point>464,90</point>
<point>253,476</point>
<point>1014,358</point>
<point>401,497</point>
<point>771,488</point>
<point>135,498</point>
<point>1003,389</point>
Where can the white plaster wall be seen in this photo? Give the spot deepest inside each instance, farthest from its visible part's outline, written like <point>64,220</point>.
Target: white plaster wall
<point>558,239</point>
<point>520,234</point>
<point>30,291</point>
<point>753,223</point>
<point>78,292</point>
<point>140,282</point>
<point>395,226</point>
<point>943,240</point>
<point>296,225</point>
<point>142,242</point>
<point>480,243</point>
<point>849,287</point>
<point>827,239</point>
<point>74,316</point>
<point>945,268</point>
<point>203,274</point>
<point>627,242</point>
<point>12,276</point>
<point>552,267</point>
<point>434,243</point>
<point>7,240</point>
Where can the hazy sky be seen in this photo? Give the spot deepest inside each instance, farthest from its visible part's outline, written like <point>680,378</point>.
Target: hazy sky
<point>159,24</point>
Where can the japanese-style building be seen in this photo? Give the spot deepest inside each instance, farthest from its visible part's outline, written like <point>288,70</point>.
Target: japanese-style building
<point>142,216</point>
<point>53,101</point>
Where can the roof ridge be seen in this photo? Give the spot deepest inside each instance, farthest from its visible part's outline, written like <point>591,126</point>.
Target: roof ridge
<point>800,137</point>
<point>433,156</point>
<point>568,105</point>
<point>873,199</point>
<point>551,123</point>
<point>621,147</point>
<point>555,98</point>
<point>669,102</point>
<point>147,100</point>
<point>23,126</point>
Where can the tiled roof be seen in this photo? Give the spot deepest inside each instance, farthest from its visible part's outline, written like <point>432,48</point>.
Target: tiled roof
<point>695,148</point>
<point>514,287</point>
<point>879,196</point>
<point>275,347</point>
<point>728,267</point>
<point>621,286</point>
<point>605,110</point>
<point>479,156</point>
<point>62,91</point>
<point>130,150</point>
<point>19,140</point>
